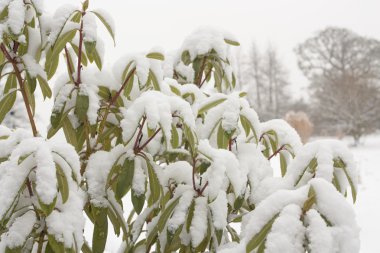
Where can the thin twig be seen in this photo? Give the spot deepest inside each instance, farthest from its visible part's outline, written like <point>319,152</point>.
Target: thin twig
<point>22,87</point>
<point>276,152</point>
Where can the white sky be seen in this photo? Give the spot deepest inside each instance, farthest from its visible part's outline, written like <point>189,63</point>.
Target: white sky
<point>143,24</point>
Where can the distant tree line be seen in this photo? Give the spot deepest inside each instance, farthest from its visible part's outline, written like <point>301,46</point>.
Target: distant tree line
<point>344,73</point>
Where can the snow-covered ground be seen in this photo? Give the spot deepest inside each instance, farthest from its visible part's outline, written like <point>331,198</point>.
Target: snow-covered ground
<point>367,207</point>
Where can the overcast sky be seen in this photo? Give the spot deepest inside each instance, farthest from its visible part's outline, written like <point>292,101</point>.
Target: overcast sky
<point>143,24</point>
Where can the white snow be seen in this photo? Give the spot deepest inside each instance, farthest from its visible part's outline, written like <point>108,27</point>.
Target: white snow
<point>287,233</point>
<point>34,69</point>
<point>98,167</point>
<point>89,28</point>
<point>198,228</point>
<point>18,232</point>
<point>16,16</point>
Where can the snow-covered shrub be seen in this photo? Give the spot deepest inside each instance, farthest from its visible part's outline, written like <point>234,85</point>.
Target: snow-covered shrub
<point>171,133</point>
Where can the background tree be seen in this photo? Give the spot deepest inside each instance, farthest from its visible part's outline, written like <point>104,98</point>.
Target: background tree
<point>266,79</point>
<point>344,70</point>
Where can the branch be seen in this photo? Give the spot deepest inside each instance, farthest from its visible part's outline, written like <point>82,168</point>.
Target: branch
<point>149,140</point>
<point>22,87</point>
<point>113,100</point>
<point>276,152</point>
<point>139,134</point>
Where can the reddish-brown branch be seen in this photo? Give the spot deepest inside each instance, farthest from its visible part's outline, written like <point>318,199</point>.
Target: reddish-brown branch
<point>22,87</point>
<point>149,140</point>
<point>230,145</point>
<point>276,152</point>
<point>112,101</point>
<point>200,192</point>
<point>118,93</point>
<point>194,162</point>
<point>139,134</point>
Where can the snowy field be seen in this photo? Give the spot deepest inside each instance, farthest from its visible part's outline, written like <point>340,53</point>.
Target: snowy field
<point>367,207</point>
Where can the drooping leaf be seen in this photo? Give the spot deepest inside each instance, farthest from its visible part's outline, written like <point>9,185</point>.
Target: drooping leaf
<point>106,24</point>
<point>210,105</point>
<point>125,178</point>
<point>63,185</point>
<point>232,42</point>
<point>46,91</point>
<point>156,56</point>
<point>6,104</point>
<point>255,241</point>
<point>81,106</point>
<point>100,232</point>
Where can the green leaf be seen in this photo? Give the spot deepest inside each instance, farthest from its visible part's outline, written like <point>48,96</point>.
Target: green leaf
<point>238,202</point>
<point>13,250</point>
<point>100,232</point>
<point>106,24</point>
<point>76,51</point>
<point>69,132</point>
<point>137,201</point>
<point>154,184</point>
<point>352,186</point>
<point>6,104</point>
<point>115,221</point>
<point>56,246</point>
<point>125,178</point>
<point>51,64</point>
<point>222,138</point>
<point>97,59</point>
<point>11,83</point>
<point>81,106</point>
<point>283,164</point>
<point>47,208</point>
<point>246,126</point>
<point>247,123</point>
<point>63,185</point>
<point>174,240</point>
<point>90,47</point>
<point>155,83</point>
<point>232,42</point>
<point>29,93</point>
<point>190,216</point>
<point>259,237</point>
<point>310,200</point>
<point>85,5</point>
<point>210,105</point>
<point>166,213</point>
<point>175,137</point>
<point>46,91</point>
<point>233,233</point>
<point>185,57</point>
<point>86,248</point>
<point>156,56</point>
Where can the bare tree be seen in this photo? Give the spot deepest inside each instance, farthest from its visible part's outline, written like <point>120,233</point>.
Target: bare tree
<point>267,79</point>
<point>344,70</point>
